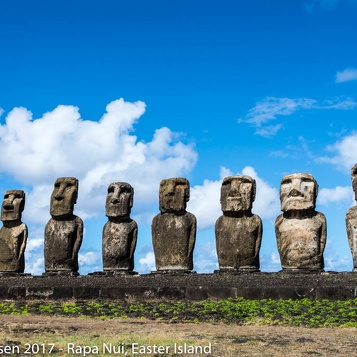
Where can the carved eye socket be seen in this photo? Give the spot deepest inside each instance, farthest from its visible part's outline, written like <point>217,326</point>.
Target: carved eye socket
<point>286,182</point>
<point>110,189</point>
<point>57,185</point>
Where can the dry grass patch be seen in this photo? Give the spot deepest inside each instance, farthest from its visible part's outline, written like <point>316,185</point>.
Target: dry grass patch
<point>226,340</point>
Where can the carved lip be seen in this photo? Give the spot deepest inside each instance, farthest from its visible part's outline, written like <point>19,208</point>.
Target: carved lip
<point>8,207</point>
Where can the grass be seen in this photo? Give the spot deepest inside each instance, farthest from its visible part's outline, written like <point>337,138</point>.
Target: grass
<point>304,312</point>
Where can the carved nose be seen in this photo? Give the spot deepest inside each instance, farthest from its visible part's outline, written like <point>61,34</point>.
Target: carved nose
<point>116,194</point>
<point>294,192</point>
<point>234,191</point>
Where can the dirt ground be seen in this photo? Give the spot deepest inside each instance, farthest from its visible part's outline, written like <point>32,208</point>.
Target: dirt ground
<point>62,336</point>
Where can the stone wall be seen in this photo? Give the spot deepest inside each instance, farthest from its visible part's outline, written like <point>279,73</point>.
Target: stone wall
<point>282,285</point>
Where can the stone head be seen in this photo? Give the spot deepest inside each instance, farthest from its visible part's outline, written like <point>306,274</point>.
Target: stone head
<point>237,193</point>
<point>119,199</point>
<point>354,179</point>
<point>64,197</point>
<point>174,194</point>
<point>298,192</point>
<point>13,205</point>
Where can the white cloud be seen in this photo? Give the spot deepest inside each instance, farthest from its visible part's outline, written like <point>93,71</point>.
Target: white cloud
<point>335,263</point>
<point>35,266</point>
<point>339,104</point>
<point>275,259</point>
<point>147,263</point>
<point>34,244</point>
<point>334,195</point>
<point>60,143</point>
<point>89,258</point>
<point>204,203</point>
<point>272,107</point>
<point>267,201</point>
<point>346,152</point>
<point>349,74</point>
<point>269,131</point>
<point>205,257</point>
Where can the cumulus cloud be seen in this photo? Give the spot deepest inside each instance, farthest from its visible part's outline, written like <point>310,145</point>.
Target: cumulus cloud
<point>335,195</point>
<point>204,203</point>
<point>60,143</point>
<point>349,74</point>
<point>271,108</point>
<point>205,257</point>
<point>346,152</point>
<point>267,202</point>
<point>147,263</point>
<point>89,258</point>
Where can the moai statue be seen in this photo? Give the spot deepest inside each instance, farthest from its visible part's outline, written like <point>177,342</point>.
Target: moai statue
<point>13,234</point>
<point>64,231</point>
<point>300,230</point>
<point>174,229</point>
<point>238,231</point>
<point>120,232</point>
<point>351,221</point>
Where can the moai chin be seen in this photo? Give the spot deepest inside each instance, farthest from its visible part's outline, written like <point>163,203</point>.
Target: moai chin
<point>238,231</point>
<point>174,229</point>
<point>13,234</point>
<point>300,230</point>
<point>64,231</point>
<point>351,221</point>
<point>120,232</point>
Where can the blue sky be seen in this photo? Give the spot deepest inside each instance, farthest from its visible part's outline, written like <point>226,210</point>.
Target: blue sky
<point>139,91</point>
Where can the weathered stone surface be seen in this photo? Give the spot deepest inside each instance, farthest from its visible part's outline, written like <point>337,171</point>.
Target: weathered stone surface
<point>351,221</point>
<point>238,231</point>
<point>174,229</point>
<point>64,231</point>
<point>300,230</point>
<point>120,232</point>
<point>333,286</point>
<point>13,234</point>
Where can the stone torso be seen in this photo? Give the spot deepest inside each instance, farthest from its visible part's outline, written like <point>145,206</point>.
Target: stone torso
<point>238,241</point>
<point>351,226</point>
<point>62,242</point>
<point>11,243</point>
<point>301,241</point>
<point>119,240</point>
<point>173,240</point>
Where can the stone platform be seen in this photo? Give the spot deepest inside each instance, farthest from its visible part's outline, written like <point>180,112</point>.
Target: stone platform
<point>282,285</point>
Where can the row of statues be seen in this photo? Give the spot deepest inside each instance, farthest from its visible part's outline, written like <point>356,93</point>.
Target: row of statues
<point>300,229</point>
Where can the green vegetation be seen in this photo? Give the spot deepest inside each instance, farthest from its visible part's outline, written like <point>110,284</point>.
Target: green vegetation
<point>304,312</point>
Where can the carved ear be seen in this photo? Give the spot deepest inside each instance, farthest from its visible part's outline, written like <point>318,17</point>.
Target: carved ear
<point>316,189</point>
<point>187,190</point>
<point>75,196</point>
<point>22,206</point>
<point>254,190</point>
<point>131,197</point>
